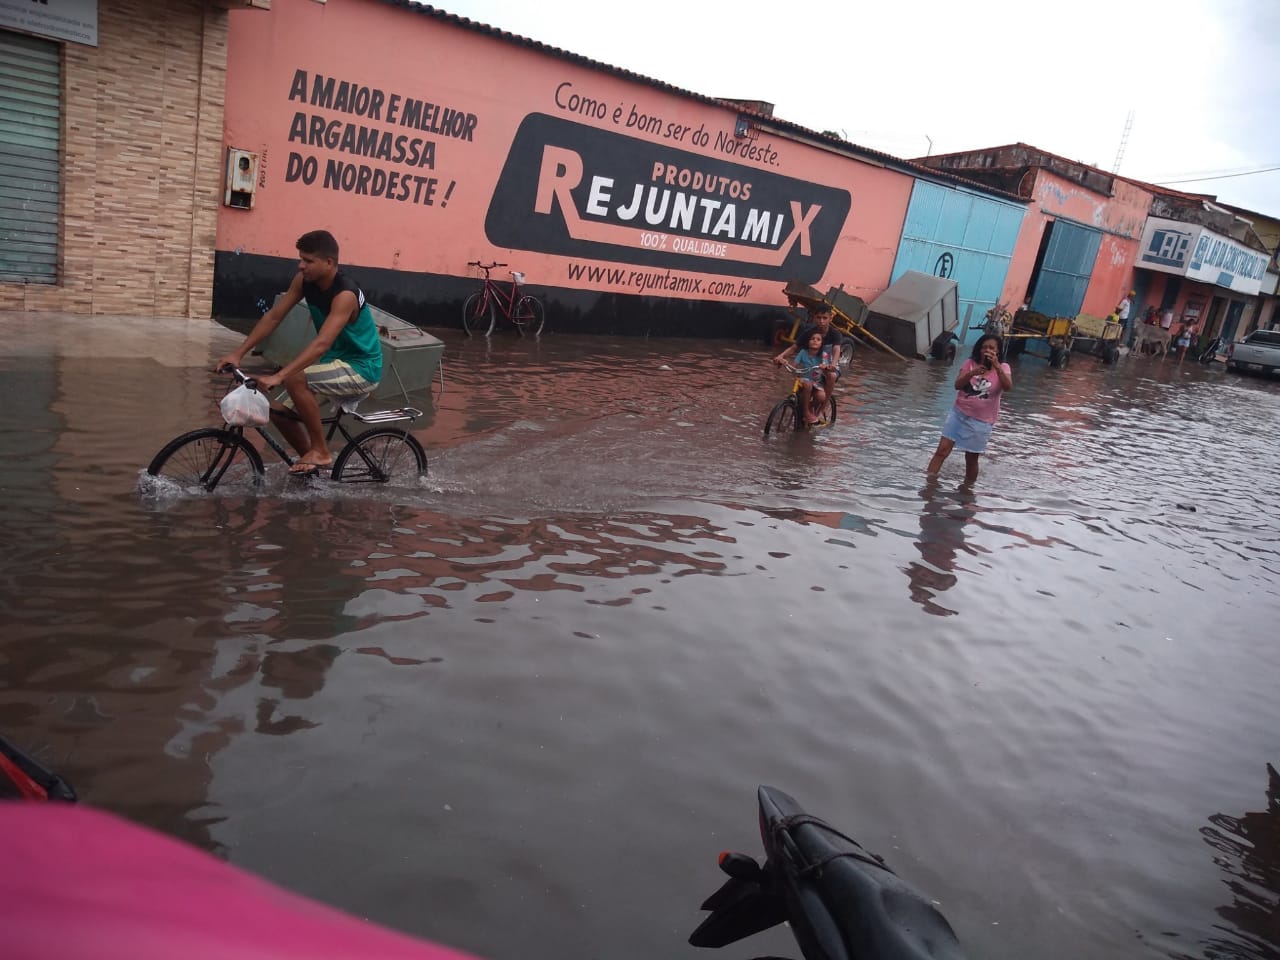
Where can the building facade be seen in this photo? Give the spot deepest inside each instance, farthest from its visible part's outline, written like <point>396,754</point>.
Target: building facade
<point>630,206</point>
<point>1092,236</point>
<point>160,158</point>
<point>1078,245</point>
<point>111,156</point>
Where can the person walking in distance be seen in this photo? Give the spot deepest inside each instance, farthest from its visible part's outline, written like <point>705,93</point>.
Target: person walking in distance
<point>1123,309</point>
<point>982,381</point>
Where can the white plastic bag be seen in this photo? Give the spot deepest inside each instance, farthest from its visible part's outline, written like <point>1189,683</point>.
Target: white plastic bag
<point>243,407</point>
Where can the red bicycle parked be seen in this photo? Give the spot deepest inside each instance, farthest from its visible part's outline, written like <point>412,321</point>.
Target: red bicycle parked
<point>481,308</point>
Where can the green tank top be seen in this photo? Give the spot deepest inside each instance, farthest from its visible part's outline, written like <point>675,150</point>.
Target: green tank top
<point>358,343</point>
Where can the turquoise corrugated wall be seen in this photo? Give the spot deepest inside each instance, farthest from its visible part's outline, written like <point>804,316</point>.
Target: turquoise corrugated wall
<point>968,237</point>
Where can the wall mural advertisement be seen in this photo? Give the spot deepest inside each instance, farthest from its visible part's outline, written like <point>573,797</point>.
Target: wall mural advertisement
<point>487,150</point>
<point>368,142</point>
<point>577,191</point>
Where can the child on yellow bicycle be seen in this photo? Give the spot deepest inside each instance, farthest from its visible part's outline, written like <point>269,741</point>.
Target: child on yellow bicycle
<point>813,361</point>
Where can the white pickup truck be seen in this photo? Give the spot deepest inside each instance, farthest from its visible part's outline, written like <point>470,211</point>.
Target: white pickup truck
<point>1259,351</point>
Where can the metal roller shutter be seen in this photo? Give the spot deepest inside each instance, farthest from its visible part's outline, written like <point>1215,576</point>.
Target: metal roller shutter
<point>30,121</point>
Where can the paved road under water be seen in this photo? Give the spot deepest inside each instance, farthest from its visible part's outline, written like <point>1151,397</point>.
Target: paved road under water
<point>521,709</point>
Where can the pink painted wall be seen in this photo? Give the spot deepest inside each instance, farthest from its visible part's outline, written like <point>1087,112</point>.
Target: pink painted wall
<point>1018,279</point>
<point>1120,217</point>
<point>1112,275</point>
<point>1124,213</point>
<point>540,148</point>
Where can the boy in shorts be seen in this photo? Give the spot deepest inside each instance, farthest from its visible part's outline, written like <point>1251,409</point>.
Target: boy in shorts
<point>344,359</point>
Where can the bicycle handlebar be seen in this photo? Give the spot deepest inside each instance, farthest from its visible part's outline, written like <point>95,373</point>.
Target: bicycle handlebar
<point>486,267</point>
<point>799,372</point>
<point>240,375</point>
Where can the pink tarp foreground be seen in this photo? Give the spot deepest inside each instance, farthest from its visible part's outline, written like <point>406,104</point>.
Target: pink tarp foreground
<point>78,883</point>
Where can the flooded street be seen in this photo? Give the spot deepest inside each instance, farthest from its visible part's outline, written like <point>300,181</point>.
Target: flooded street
<point>520,710</point>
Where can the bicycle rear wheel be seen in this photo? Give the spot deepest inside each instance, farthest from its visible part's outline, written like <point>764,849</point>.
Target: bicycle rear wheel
<point>205,458</point>
<point>528,316</point>
<point>381,455</point>
<point>784,417</point>
<point>477,315</point>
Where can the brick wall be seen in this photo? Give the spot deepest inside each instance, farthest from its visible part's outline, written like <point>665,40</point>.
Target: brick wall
<point>142,167</point>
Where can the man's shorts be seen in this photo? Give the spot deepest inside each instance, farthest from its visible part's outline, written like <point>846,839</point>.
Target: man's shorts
<point>334,378</point>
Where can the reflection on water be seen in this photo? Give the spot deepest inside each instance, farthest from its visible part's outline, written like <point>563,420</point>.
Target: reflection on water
<point>942,523</point>
<point>615,607</point>
<point>1247,851</point>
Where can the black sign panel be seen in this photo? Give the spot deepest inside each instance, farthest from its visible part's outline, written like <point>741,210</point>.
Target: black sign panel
<point>574,190</point>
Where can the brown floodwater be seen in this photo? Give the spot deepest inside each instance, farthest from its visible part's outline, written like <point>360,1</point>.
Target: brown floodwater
<point>520,708</point>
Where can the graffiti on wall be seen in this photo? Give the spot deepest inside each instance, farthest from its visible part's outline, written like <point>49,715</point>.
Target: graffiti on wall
<point>363,140</point>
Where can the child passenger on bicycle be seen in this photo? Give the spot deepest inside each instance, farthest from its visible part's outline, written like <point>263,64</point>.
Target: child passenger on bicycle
<point>813,363</point>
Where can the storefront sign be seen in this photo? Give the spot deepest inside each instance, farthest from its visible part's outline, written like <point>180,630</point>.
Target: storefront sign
<point>1221,260</point>
<point>1189,250</point>
<point>1166,244</point>
<point>74,20</point>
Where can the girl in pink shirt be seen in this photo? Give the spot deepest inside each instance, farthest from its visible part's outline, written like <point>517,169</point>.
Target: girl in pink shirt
<point>979,386</point>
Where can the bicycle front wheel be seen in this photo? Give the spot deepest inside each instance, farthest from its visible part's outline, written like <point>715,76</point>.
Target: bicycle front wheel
<point>529,316</point>
<point>784,417</point>
<point>477,315</point>
<point>381,455</point>
<point>206,458</point>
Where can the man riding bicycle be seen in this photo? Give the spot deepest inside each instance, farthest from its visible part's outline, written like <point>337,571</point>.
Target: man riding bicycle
<point>820,316</point>
<point>344,359</point>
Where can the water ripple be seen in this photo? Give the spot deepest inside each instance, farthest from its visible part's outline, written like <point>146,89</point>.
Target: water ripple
<point>614,607</point>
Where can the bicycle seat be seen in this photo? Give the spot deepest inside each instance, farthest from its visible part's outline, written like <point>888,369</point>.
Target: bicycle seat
<point>349,404</point>
<point>517,276</point>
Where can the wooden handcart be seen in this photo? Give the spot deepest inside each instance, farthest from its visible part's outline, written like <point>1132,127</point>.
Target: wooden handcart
<point>1036,334</point>
<point>848,314</point>
<point>1097,336</point>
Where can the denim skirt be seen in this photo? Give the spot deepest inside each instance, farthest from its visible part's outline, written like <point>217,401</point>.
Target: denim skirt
<point>968,433</point>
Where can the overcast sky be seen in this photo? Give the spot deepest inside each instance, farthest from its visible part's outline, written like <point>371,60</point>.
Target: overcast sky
<point>1201,77</point>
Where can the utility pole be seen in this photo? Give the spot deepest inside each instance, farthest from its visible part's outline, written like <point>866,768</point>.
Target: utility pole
<point>1124,140</point>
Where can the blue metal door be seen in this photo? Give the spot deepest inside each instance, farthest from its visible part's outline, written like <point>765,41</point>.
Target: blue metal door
<point>1066,266</point>
<point>952,232</point>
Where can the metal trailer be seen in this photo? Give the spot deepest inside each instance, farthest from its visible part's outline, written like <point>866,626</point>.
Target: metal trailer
<point>410,355</point>
<point>918,315</point>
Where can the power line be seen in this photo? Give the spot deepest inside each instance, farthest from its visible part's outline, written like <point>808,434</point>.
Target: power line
<point>1224,176</point>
